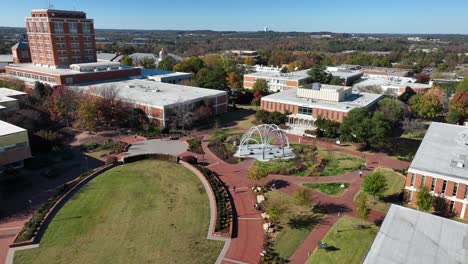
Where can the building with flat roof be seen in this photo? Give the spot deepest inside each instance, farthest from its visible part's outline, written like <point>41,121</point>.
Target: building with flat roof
<point>441,165</point>
<point>347,73</point>
<point>393,85</point>
<point>171,77</point>
<point>408,236</point>
<point>14,146</point>
<point>306,104</point>
<point>9,100</point>
<point>5,60</point>
<point>385,71</point>
<point>158,100</point>
<point>276,80</point>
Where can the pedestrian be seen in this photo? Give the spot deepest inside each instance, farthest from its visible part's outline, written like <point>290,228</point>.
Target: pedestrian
<point>234,188</point>
<point>365,165</point>
<point>360,174</point>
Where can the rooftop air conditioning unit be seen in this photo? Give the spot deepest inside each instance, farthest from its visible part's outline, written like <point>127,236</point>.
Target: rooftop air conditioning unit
<point>465,124</point>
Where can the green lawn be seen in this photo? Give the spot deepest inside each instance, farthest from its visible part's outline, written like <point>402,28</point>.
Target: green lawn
<point>296,222</point>
<point>396,182</point>
<point>333,188</point>
<point>99,154</point>
<point>143,212</point>
<point>350,240</point>
<point>242,117</point>
<point>339,163</point>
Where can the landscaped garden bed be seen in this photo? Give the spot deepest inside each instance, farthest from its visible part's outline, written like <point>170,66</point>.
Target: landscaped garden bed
<point>309,161</point>
<point>195,145</point>
<point>223,143</point>
<point>106,148</point>
<point>223,205</point>
<point>333,188</point>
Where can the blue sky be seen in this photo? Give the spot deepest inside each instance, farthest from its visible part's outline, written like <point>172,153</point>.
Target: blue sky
<point>358,16</point>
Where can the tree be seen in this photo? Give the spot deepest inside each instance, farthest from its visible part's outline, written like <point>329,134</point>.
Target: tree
<point>458,109</point>
<point>274,210</point>
<point>327,128</point>
<point>181,115</point>
<point>148,62</point>
<point>362,205</point>
<point>127,60</point>
<point>191,64</point>
<point>167,63</point>
<point>87,114</point>
<point>203,114</point>
<point>255,173</point>
<point>426,105</point>
<point>356,125</point>
<point>63,104</point>
<point>261,86</point>
<point>249,61</point>
<point>380,129</point>
<point>234,80</point>
<point>424,200</point>
<point>302,197</point>
<point>213,79</point>
<point>41,91</point>
<point>392,110</point>
<point>375,184</point>
<point>319,75</point>
<point>463,86</point>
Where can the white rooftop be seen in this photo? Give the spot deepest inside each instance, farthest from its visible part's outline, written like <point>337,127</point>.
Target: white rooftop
<point>8,129</point>
<point>153,93</point>
<point>354,101</point>
<point>297,75</point>
<point>391,82</point>
<point>443,148</point>
<point>53,71</point>
<point>5,92</point>
<point>408,236</point>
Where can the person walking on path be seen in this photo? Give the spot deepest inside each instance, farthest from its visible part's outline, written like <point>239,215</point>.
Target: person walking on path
<point>360,173</point>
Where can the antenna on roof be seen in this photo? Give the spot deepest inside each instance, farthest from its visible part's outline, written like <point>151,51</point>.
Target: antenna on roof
<point>51,6</point>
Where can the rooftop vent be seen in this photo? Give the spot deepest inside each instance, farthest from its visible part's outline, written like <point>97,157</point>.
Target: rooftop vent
<point>316,86</point>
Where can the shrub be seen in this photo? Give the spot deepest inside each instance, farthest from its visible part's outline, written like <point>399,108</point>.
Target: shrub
<point>363,206</point>
<point>302,197</point>
<point>91,146</point>
<point>255,173</point>
<point>195,145</point>
<point>190,159</point>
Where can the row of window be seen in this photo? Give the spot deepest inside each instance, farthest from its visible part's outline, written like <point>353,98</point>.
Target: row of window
<point>39,37</point>
<point>33,76</point>
<point>42,27</point>
<point>444,185</point>
<point>451,206</point>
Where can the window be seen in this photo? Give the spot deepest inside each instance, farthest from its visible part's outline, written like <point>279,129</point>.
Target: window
<point>63,59</point>
<point>423,181</point>
<point>33,44</point>
<point>60,38</point>
<point>58,27</point>
<point>88,45</point>
<point>444,186</point>
<point>410,196</point>
<point>31,37</point>
<point>46,38</point>
<point>413,178</point>
<point>73,28</point>
<point>47,45</point>
<point>38,27</point>
<point>433,184</point>
<point>75,52</point>
<point>49,59</point>
<point>48,52</point>
<point>86,28</point>
<point>452,203</point>
<point>87,38</point>
<point>455,189</point>
<point>39,45</point>
<point>60,45</point>
<point>90,58</point>
<point>46,28</point>
<point>62,52</point>
<point>39,37</point>
<point>31,27</point>
<point>76,59</point>
<point>75,45</point>
<point>466,193</point>
<point>305,110</point>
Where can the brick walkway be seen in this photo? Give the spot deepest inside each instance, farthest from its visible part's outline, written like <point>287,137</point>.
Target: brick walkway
<point>247,243</point>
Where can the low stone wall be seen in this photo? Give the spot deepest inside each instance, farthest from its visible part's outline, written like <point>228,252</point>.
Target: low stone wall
<point>57,206</point>
<point>130,159</point>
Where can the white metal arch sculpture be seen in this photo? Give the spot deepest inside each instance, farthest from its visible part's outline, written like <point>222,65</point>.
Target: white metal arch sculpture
<point>267,141</point>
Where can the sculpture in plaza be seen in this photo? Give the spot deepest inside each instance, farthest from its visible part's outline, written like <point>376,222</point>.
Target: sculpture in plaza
<point>265,142</point>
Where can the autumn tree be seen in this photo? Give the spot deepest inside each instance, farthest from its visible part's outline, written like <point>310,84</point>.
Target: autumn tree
<point>234,80</point>
<point>249,61</point>
<point>458,109</point>
<point>426,105</point>
<point>261,86</point>
<point>203,114</point>
<point>191,64</point>
<point>167,63</point>
<point>392,109</point>
<point>88,113</point>
<point>63,104</point>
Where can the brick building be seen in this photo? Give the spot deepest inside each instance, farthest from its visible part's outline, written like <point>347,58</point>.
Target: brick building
<point>159,100</point>
<point>441,164</point>
<point>62,49</point>
<point>20,52</point>
<point>309,102</point>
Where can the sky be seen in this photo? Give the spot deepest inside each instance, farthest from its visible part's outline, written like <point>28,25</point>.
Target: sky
<point>351,16</point>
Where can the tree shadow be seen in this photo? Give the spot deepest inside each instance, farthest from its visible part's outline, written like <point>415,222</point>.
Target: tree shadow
<point>395,198</point>
<point>378,222</point>
<point>331,248</point>
<point>331,208</point>
<point>304,221</point>
<point>277,184</point>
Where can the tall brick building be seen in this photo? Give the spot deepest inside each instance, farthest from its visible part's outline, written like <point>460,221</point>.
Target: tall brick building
<point>58,38</point>
<point>62,51</point>
<point>441,165</point>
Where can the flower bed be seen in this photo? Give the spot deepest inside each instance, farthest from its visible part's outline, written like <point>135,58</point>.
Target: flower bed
<point>222,145</point>
<point>223,205</point>
<point>195,145</point>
